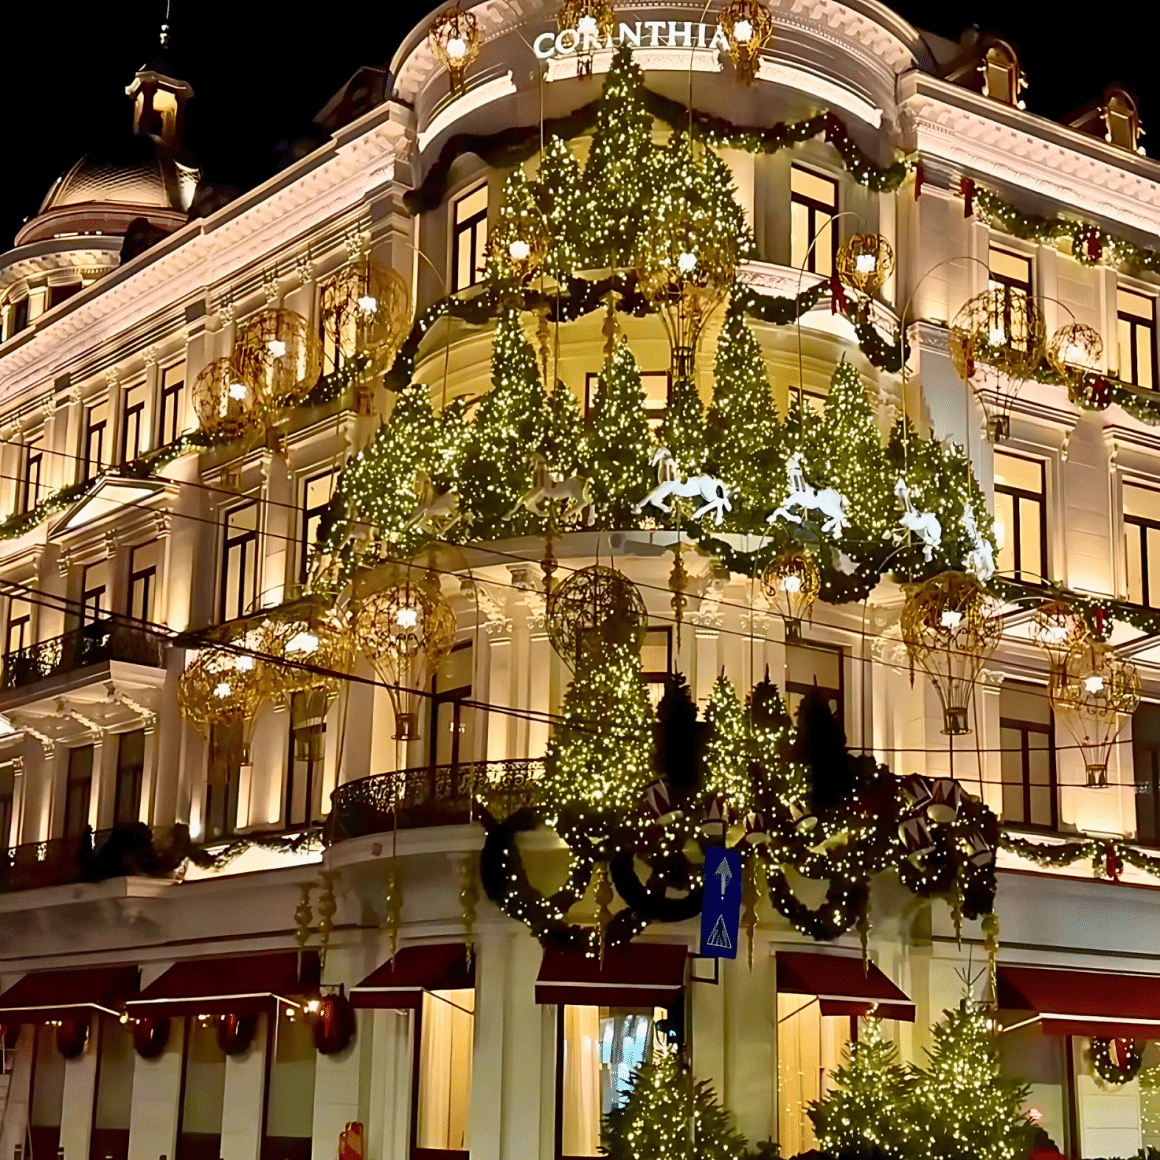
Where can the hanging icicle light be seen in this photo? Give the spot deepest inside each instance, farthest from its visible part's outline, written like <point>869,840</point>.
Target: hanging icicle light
<point>1075,350</point>
<point>747,25</point>
<point>865,262</point>
<point>454,38</point>
<point>996,341</point>
<point>791,584</point>
<point>950,626</point>
<point>1056,627</point>
<point>1093,692</point>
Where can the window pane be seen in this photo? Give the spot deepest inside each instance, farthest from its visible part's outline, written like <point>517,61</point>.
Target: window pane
<point>463,261</point>
<point>814,186</point>
<point>479,255</point>
<point>1124,340</point>
<point>1005,530</point>
<point>1152,593</point>
<point>1136,305</point>
<point>809,1051</point>
<point>799,234</point>
<point>471,204</point>
<point>1031,539</point>
<point>47,1093</point>
<point>447,1030</point>
<point>1144,357</point>
<point>1012,269</point>
<point>290,1095</point>
<point>1133,541</point>
<point>1141,501</point>
<point>1011,743</point>
<point>204,1092</point>
<point>1018,471</point>
<point>822,259</point>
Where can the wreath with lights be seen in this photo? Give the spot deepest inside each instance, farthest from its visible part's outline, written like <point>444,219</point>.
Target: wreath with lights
<point>1116,1060</point>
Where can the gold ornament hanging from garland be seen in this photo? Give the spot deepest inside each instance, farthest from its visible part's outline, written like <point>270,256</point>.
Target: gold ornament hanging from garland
<point>791,583</point>
<point>747,25</point>
<point>366,314</point>
<point>454,38</point>
<point>1075,350</point>
<point>595,601</point>
<point>1057,627</point>
<point>865,262</point>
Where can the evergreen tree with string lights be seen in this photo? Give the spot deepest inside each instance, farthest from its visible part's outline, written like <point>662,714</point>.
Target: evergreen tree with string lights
<point>511,423</point>
<point>742,428</point>
<point>618,439</point>
<point>564,441</point>
<point>616,177</point>
<point>727,752</point>
<point>558,194</point>
<point>670,1116</point>
<point>962,1108</point>
<point>768,726</point>
<point>600,754</point>
<point>682,431</point>
<point>867,1112</point>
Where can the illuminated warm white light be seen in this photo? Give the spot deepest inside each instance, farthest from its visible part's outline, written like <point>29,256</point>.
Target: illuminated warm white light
<point>456,48</point>
<point>1093,684</point>
<point>222,689</point>
<point>998,336</point>
<point>238,390</point>
<point>368,304</point>
<point>302,642</point>
<point>519,251</point>
<point>951,619</point>
<point>687,262</point>
<point>791,584</point>
<point>1055,634</point>
<point>276,347</point>
<point>244,664</point>
<point>586,26</point>
<point>406,618</point>
<point>865,263</point>
<point>743,32</point>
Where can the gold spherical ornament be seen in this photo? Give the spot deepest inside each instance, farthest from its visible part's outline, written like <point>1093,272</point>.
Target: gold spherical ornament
<point>747,25</point>
<point>404,629</point>
<point>950,626</point>
<point>1057,627</point>
<point>226,401</point>
<point>1093,692</point>
<point>595,602</point>
<point>791,583</point>
<point>1075,350</point>
<point>1003,329</point>
<point>454,38</point>
<point>865,262</point>
<point>281,354</point>
<point>366,314</point>
<point>519,243</point>
<point>311,646</point>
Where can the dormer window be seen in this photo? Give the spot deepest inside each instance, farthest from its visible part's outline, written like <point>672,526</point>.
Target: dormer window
<point>1122,120</point>
<point>1001,75</point>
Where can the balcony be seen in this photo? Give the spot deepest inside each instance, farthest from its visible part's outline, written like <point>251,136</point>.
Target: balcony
<point>94,644</point>
<point>132,850</point>
<point>433,795</point>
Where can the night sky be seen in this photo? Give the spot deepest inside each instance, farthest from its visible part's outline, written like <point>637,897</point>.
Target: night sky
<point>260,71</point>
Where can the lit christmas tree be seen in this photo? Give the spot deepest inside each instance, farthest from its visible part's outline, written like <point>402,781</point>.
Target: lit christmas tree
<point>682,430</point>
<point>564,443</point>
<point>850,454</point>
<point>961,1107</point>
<point>558,189</point>
<point>599,755</point>
<point>619,441</point>
<point>519,221</point>
<point>867,1113</point>
<point>511,423</point>
<point>727,753</point>
<point>768,727</point>
<point>742,428</point>
<point>670,1116</point>
<point>615,182</point>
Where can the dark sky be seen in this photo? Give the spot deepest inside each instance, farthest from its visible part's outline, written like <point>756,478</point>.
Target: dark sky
<point>261,69</point>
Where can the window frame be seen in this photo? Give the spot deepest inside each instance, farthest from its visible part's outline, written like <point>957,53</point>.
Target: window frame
<point>25,623</point>
<point>102,592</point>
<point>149,575</point>
<point>799,689</point>
<point>315,773</point>
<point>307,514</point>
<point>33,456</point>
<point>170,394</point>
<point>139,779</point>
<point>469,226</point>
<point>1136,324</point>
<point>453,698</point>
<point>1016,494</point>
<point>994,278</point>
<point>91,429</point>
<point>813,208</point>
<point>413,1150</point>
<point>248,537</point>
<point>66,814</point>
<point>133,412</point>
<point>1024,728</point>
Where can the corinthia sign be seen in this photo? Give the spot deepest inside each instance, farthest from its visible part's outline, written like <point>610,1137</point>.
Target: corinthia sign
<point>642,34</point>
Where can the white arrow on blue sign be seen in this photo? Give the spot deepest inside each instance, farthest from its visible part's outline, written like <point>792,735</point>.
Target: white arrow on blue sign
<point>721,908</point>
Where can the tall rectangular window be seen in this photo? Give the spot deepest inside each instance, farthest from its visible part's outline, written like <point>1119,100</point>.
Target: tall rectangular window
<point>1027,744</point>
<point>95,592</point>
<point>95,442</point>
<point>1136,338</point>
<point>814,667</point>
<point>78,790</point>
<point>33,470</point>
<point>144,563</point>
<point>62,292</point>
<point>130,775</point>
<point>289,1121</point>
<point>239,562</point>
<point>19,631</point>
<point>223,776</point>
<point>813,202</point>
<point>453,722</point>
<point>469,238</point>
<point>446,1037</point>
<point>1142,544</point>
<point>17,317</point>
<point>304,762</point>
<point>1009,269</point>
<point>1146,763</point>
<point>656,661</point>
<point>600,1048</point>
<point>132,422</point>
<point>317,493</point>
<point>1021,517</point>
<point>203,1087</point>
<point>809,1051</point>
<point>337,323</point>
<point>169,418</point>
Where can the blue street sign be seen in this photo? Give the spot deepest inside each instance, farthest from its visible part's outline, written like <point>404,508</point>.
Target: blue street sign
<point>721,909</point>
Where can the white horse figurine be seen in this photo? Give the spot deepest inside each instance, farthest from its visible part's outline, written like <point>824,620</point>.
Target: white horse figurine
<point>980,560</point>
<point>669,483</point>
<point>436,512</point>
<point>573,494</point>
<point>925,525</point>
<point>830,503</point>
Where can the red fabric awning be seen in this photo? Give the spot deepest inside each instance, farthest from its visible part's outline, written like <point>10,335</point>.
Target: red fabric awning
<point>72,994</point>
<point>1071,1002</point>
<point>415,969</point>
<point>842,985</point>
<point>229,985</point>
<point>636,975</point>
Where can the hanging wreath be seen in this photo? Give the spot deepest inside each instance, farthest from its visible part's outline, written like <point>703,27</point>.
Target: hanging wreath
<point>1116,1060</point>
<point>334,1024</point>
<point>235,1033</point>
<point>150,1036</point>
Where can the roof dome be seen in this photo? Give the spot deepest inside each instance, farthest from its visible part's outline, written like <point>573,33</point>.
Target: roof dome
<point>103,178</point>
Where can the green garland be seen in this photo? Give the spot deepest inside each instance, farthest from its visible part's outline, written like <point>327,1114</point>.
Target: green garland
<point>1108,856</point>
<point>511,147</point>
<point>1100,613</point>
<point>1100,1055</point>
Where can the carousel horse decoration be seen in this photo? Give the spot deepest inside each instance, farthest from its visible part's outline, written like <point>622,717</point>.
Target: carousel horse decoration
<point>436,512</point>
<point>925,525</point>
<point>572,494</point>
<point>980,560</point>
<point>829,503</point>
<point>669,483</point>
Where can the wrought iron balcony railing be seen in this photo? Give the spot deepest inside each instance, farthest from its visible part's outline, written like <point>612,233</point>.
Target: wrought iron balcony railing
<point>432,795</point>
<point>94,644</point>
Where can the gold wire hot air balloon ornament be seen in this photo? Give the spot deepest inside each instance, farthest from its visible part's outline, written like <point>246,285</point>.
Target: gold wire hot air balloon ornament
<point>865,262</point>
<point>1075,350</point>
<point>747,26</point>
<point>1057,627</point>
<point>596,601</point>
<point>226,401</point>
<point>281,354</point>
<point>454,38</point>
<point>791,583</point>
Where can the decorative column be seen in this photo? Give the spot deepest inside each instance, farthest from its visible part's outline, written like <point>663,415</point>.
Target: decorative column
<point>80,1087</point>
<point>243,1099</point>
<point>156,1105</point>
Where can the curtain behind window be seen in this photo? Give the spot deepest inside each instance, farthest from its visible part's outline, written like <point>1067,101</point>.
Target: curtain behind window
<point>446,1034</point>
<point>809,1051</point>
